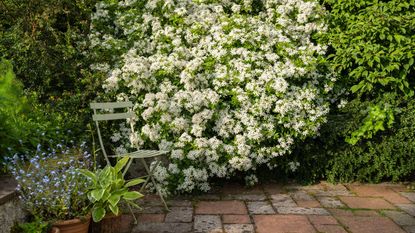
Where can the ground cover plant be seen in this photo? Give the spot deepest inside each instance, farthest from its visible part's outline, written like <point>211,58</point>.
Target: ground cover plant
<point>225,85</point>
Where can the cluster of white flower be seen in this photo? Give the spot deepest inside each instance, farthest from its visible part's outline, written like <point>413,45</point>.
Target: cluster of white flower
<point>225,85</point>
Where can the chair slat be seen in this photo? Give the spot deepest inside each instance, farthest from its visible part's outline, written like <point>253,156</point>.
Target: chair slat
<point>110,105</point>
<point>112,116</point>
<point>141,154</point>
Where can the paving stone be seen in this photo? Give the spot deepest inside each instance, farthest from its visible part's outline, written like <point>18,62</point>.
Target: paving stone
<point>333,193</point>
<point>330,228</point>
<point>239,228</point>
<point>311,204</point>
<point>239,219</point>
<point>330,202</point>
<point>221,207</point>
<point>409,195</point>
<point>151,210</point>
<point>365,213</point>
<point>282,224</point>
<point>180,214</point>
<point>180,203</point>
<point>322,220</point>
<point>408,208</point>
<point>207,223</point>
<point>150,218</point>
<point>282,200</point>
<point>302,210</point>
<point>246,197</point>
<point>366,203</point>
<point>409,229</point>
<point>340,212</point>
<point>400,218</point>
<point>358,224</point>
<point>301,195</point>
<point>260,207</point>
<point>163,227</point>
<point>379,191</point>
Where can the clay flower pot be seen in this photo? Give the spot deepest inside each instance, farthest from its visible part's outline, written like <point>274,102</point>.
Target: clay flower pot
<point>76,225</point>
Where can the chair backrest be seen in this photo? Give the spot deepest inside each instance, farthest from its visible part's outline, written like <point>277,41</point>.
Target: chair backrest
<point>97,116</point>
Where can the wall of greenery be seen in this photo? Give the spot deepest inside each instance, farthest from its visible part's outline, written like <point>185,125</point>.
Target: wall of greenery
<point>369,138</point>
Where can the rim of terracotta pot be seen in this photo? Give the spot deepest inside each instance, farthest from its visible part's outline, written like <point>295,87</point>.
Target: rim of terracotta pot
<point>84,219</point>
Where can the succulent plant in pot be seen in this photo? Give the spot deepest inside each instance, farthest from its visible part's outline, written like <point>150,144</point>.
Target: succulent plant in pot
<point>108,189</point>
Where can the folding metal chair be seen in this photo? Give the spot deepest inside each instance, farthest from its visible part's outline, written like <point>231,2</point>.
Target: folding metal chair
<point>138,154</point>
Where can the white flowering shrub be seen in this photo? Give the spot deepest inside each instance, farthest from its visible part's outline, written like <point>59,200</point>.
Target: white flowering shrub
<point>225,85</point>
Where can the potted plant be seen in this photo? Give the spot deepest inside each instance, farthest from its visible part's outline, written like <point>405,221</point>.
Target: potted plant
<point>51,187</point>
<point>108,189</point>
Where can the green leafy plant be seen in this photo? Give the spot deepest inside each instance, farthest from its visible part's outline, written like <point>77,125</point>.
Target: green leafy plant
<point>372,51</point>
<point>109,188</point>
<point>37,225</point>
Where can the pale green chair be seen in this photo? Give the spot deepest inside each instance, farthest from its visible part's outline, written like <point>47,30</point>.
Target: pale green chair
<point>108,114</point>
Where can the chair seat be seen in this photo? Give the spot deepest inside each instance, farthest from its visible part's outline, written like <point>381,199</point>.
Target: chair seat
<point>141,154</point>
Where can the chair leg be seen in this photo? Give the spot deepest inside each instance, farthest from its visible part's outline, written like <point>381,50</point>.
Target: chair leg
<point>155,184</point>
<point>127,167</point>
<point>148,177</point>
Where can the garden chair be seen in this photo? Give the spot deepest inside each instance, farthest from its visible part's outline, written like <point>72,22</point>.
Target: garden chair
<point>141,155</point>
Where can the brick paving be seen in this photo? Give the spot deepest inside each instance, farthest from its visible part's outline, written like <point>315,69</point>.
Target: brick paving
<point>275,208</point>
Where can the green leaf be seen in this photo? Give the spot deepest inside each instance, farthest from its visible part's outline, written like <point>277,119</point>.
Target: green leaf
<point>121,163</point>
<point>97,194</point>
<point>132,195</point>
<point>88,174</point>
<point>114,199</point>
<point>98,214</point>
<point>114,209</point>
<point>134,182</point>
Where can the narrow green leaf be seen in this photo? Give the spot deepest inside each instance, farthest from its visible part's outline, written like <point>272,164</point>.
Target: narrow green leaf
<point>114,209</point>
<point>134,182</point>
<point>97,194</point>
<point>132,195</point>
<point>114,199</point>
<point>121,163</point>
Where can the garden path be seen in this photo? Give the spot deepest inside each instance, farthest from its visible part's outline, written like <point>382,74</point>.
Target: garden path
<point>272,207</point>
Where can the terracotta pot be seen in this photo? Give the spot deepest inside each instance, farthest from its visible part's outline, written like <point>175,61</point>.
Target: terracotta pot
<point>71,226</point>
<point>109,224</point>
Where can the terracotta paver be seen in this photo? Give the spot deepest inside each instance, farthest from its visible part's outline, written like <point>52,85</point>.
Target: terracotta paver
<point>366,203</point>
<point>221,207</point>
<point>150,217</point>
<point>274,208</point>
<point>239,219</point>
<point>322,220</point>
<point>330,228</point>
<point>310,204</point>
<point>282,224</point>
<point>379,191</point>
<point>359,224</point>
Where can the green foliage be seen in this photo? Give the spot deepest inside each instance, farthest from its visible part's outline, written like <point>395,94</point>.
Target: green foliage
<point>108,188</point>
<point>46,41</point>
<point>36,225</point>
<point>372,45</point>
<point>388,156</point>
